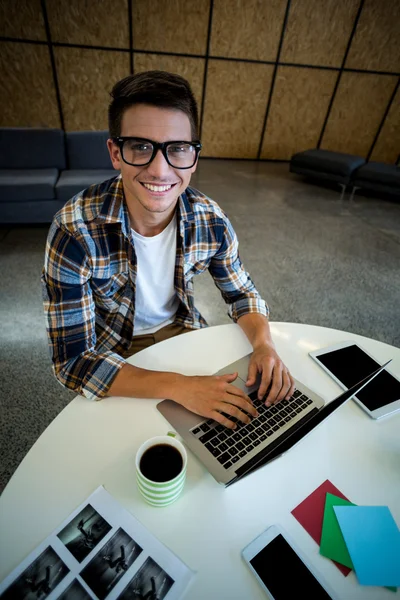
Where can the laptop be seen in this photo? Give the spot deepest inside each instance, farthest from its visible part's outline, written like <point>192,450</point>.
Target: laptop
<point>229,455</point>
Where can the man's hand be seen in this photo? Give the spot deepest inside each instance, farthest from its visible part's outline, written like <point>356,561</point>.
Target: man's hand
<point>209,396</point>
<point>266,361</point>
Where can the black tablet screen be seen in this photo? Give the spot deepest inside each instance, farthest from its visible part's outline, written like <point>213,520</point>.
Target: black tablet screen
<point>351,364</point>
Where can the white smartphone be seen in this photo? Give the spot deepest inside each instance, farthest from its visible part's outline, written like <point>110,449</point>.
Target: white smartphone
<point>347,363</point>
<point>282,569</point>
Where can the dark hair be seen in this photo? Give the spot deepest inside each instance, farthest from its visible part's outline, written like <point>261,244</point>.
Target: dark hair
<point>156,88</point>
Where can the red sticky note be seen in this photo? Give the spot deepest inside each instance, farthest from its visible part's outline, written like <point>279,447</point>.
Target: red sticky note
<point>310,514</point>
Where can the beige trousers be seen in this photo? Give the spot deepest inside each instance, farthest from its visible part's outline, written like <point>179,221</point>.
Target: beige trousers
<point>140,342</point>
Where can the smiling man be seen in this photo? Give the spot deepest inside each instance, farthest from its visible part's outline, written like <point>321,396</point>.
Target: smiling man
<point>121,257</point>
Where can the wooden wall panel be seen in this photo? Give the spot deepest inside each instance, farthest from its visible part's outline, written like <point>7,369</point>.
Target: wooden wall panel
<point>22,19</point>
<point>191,69</point>
<point>236,92</point>
<point>28,98</point>
<point>173,26</point>
<point>86,78</point>
<point>317,32</point>
<point>299,104</point>
<point>236,99</point>
<point>376,43</point>
<point>91,23</point>
<point>387,147</point>
<point>247,28</point>
<point>357,110</point>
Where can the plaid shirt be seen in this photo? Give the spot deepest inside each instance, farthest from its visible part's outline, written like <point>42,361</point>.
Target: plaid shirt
<point>89,280</point>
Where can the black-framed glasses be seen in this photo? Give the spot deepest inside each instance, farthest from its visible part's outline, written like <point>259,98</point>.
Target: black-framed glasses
<point>139,152</point>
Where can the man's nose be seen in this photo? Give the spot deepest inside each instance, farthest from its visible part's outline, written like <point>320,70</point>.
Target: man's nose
<point>159,166</point>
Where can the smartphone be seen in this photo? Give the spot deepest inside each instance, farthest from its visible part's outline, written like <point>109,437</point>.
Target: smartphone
<point>282,569</point>
<point>347,363</point>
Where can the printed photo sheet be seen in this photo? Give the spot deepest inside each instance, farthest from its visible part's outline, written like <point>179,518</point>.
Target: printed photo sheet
<point>101,551</point>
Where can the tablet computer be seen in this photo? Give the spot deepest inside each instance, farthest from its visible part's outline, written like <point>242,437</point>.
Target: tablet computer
<point>347,363</point>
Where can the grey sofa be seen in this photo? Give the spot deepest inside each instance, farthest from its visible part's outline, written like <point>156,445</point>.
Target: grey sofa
<point>377,177</point>
<point>347,170</point>
<point>40,169</point>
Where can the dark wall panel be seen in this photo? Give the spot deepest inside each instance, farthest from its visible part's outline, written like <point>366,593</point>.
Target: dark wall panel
<point>299,104</point>
<point>28,97</point>
<point>233,129</point>
<point>247,28</point>
<point>387,147</point>
<point>22,19</point>
<point>91,23</point>
<point>357,111</point>
<point>376,44</point>
<point>317,32</point>
<point>86,78</point>
<point>173,26</point>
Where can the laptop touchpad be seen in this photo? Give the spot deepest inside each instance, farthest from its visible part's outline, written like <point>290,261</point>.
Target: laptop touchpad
<point>241,366</point>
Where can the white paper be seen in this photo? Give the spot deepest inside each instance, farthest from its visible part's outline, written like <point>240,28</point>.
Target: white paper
<point>100,551</point>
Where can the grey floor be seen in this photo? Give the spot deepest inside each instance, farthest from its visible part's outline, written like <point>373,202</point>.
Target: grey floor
<point>314,258</point>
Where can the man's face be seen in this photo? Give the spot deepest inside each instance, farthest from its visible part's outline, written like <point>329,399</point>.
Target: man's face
<point>158,125</point>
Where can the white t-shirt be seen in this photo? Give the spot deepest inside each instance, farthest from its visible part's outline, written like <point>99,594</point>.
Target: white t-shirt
<point>156,301</point>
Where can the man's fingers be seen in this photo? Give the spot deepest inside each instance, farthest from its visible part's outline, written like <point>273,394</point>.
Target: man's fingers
<point>219,418</point>
<point>234,411</point>
<point>292,387</point>
<point>265,381</point>
<point>229,377</point>
<point>240,400</point>
<point>282,387</point>
<point>252,375</point>
<point>286,385</point>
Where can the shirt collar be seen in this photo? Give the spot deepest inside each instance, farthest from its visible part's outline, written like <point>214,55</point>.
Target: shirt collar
<point>114,209</point>
<point>185,207</point>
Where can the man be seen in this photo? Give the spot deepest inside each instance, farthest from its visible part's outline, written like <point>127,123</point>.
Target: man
<point>121,256</point>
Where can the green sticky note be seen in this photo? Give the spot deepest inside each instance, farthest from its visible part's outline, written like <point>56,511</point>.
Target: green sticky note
<point>332,543</point>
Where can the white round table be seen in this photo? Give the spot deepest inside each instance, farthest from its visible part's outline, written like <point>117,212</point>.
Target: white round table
<point>94,443</point>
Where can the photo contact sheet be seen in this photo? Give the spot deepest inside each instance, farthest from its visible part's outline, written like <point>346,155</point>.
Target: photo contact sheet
<point>99,552</point>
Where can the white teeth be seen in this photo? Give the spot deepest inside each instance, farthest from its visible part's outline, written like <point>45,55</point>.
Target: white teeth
<point>157,188</point>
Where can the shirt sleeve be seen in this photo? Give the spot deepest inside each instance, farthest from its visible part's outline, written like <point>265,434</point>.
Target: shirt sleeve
<point>70,318</point>
<point>233,281</point>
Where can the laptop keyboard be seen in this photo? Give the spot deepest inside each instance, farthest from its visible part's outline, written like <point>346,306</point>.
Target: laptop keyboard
<point>230,445</point>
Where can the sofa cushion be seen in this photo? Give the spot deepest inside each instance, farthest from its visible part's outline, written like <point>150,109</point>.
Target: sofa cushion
<point>72,182</point>
<point>379,173</point>
<point>334,165</point>
<point>25,213</point>
<point>19,185</point>
<point>88,150</point>
<point>31,148</point>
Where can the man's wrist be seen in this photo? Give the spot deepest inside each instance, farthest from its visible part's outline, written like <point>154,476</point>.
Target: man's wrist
<point>257,344</point>
<point>256,328</point>
<point>174,386</point>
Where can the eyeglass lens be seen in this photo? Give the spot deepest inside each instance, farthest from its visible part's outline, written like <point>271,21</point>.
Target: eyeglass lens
<point>139,153</point>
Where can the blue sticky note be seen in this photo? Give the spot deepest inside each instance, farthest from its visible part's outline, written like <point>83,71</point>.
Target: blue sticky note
<point>373,541</point>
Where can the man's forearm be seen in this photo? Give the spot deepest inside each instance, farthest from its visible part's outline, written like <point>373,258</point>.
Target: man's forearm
<point>256,328</point>
<point>133,382</point>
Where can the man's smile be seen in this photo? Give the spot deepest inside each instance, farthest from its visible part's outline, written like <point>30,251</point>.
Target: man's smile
<point>158,188</point>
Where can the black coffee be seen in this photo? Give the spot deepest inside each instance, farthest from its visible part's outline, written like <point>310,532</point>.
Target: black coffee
<point>161,462</point>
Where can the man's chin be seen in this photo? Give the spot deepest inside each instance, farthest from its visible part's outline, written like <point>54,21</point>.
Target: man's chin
<point>158,206</point>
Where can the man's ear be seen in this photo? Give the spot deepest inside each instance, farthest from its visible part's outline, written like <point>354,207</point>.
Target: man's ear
<point>115,154</point>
